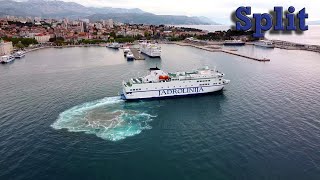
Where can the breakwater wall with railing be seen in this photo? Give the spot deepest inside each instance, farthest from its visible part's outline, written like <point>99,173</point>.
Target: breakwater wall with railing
<point>295,46</point>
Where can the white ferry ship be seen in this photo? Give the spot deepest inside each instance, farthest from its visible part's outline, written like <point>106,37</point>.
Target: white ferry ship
<point>150,49</point>
<point>6,59</point>
<point>114,45</point>
<point>19,54</point>
<point>159,84</point>
<point>233,43</point>
<point>264,43</point>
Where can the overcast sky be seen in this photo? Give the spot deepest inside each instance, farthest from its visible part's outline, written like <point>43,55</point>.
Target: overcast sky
<point>216,10</point>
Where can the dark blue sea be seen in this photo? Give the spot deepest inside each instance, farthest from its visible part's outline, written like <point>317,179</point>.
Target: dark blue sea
<point>61,118</point>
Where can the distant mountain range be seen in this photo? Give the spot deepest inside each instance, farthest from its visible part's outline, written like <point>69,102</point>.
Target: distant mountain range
<point>149,18</point>
<point>61,9</point>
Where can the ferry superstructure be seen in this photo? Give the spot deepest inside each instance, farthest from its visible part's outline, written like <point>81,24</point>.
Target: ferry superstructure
<point>150,49</point>
<point>265,43</point>
<point>234,43</point>
<point>159,84</point>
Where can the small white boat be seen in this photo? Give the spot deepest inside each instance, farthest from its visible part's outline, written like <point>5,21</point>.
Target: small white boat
<point>130,56</point>
<point>114,45</point>
<point>19,54</point>
<point>6,59</point>
<point>126,51</point>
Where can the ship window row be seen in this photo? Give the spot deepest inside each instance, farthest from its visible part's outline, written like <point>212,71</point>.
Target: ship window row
<point>204,81</point>
<point>205,84</point>
<point>135,89</point>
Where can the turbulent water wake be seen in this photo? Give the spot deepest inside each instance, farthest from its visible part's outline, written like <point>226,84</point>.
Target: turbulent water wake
<point>109,118</point>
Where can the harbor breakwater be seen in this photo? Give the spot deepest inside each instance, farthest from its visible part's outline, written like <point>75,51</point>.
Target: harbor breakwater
<point>295,46</point>
<point>215,48</point>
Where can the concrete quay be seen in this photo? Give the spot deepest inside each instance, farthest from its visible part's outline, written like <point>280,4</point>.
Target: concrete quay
<point>137,55</point>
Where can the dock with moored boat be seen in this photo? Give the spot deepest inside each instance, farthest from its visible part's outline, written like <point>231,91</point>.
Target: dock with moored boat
<point>137,55</point>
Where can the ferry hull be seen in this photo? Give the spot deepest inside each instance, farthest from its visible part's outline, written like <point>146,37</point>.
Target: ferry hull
<point>19,57</point>
<point>265,46</point>
<point>234,44</point>
<point>172,93</point>
<point>7,61</point>
<point>152,55</point>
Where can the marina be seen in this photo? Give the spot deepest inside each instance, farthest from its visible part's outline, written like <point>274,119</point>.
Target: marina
<point>213,46</point>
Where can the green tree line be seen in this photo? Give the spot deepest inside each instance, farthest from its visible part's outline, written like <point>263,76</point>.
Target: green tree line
<point>21,42</point>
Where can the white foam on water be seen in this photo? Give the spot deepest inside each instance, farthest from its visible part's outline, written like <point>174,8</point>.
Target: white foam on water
<point>107,118</point>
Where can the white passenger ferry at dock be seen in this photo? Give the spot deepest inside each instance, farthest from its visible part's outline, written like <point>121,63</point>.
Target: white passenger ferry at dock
<point>265,43</point>
<point>114,45</point>
<point>19,54</point>
<point>150,49</point>
<point>159,84</point>
<point>6,59</point>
